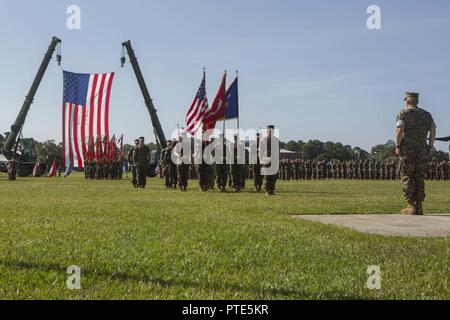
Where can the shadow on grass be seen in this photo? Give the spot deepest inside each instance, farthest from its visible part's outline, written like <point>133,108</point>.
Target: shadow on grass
<point>267,293</point>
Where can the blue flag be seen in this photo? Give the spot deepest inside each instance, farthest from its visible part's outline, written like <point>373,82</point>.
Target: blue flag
<point>232,109</point>
<point>69,169</point>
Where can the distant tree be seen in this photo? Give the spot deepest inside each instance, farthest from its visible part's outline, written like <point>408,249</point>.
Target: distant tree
<point>2,140</point>
<point>383,151</point>
<point>437,155</point>
<point>292,146</point>
<point>358,153</point>
<point>48,151</point>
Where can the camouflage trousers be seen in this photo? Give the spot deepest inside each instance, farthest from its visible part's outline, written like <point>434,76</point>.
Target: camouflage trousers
<point>183,175</point>
<point>236,172</point>
<point>141,175</point>
<point>132,169</point>
<point>269,185</point>
<point>173,175</point>
<point>257,177</point>
<point>222,176</point>
<point>203,179</point>
<point>413,162</point>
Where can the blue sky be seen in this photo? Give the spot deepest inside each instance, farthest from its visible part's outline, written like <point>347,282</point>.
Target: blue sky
<point>312,68</point>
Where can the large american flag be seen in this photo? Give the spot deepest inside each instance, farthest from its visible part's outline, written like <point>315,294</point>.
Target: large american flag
<point>85,113</point>
<point>196,113</point>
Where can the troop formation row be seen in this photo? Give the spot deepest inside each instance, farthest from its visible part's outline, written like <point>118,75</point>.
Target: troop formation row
<point>103,169</point>
<point>355,169</point>
<point>176,173</point>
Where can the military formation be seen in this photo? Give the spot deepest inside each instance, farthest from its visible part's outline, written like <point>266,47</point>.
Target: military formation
<point>299,169</point>
<point>103,160</point>
<point>222,175</point>
<point>103,169</point>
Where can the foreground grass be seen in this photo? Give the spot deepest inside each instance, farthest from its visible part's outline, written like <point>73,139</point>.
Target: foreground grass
<point>164,244</point>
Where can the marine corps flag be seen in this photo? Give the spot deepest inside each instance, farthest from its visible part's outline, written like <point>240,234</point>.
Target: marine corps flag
<point>217,109</point>
<point>232,107</point>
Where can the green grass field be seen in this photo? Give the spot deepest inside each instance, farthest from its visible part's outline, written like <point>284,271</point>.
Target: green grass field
<point>165,244</point>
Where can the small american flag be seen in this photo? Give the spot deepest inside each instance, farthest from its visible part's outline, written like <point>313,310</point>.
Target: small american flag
<point>196,113</point>
<point>85,113</point>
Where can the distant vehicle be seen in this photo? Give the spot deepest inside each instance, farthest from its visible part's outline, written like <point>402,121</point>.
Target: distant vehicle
<point>154,163</point>
<point>3,162</point>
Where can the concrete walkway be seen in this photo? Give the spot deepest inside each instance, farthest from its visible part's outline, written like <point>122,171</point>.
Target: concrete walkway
<point>429,225</point>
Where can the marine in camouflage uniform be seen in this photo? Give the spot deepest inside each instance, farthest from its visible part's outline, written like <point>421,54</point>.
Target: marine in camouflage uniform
<point>236,170</point>
<point>173,175</point>
<point>266,156</point>
<point>202,170</point>
<point>11,167</point>
<point>413,126</point>
<point>141,158</point>
<point>221,164</point>
<point>257,177</point>
<point>167,160</point>
<point>182,167</point>
<point>131,165</point>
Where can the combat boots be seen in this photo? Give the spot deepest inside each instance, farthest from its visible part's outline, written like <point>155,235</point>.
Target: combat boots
<point>410,208</point>
<point>419,209</point>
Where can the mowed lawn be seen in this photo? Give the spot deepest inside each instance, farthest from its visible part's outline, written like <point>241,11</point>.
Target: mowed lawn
<point>165,244</point>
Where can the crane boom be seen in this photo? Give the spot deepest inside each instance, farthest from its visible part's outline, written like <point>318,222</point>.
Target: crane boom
<point>20,120</point>
<point>148,101</point>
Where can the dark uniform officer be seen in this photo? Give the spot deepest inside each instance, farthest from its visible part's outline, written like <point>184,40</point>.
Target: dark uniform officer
<point>131,165</point>
<point>413,126</point>
<point>257,178</point>
<point>11,166</point>
<point>182,166</point>
<point>141,159</point>
<point>267,156</point>
<point>203,178</point>
<point>221,164</point>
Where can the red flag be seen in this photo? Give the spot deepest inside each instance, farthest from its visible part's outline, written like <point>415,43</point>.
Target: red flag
<point>112,147</point>
<point>217,110</point>
<point>52,172</point>
<point>37,169</point>
<point>99,149</point>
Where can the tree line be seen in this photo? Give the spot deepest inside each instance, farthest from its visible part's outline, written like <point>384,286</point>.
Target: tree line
<point>316,149</point>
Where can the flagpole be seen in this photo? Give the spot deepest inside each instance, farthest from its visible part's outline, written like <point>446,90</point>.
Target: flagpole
<point>237,73</point>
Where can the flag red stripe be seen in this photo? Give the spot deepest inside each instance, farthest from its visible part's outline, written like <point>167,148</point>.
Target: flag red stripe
<point>83,133</point>
<point>91,106</point>
<point>75,136</point>
<point>63,156</point>
<point>108,94</point>
<point>99,106</point>
<point>70,133</point>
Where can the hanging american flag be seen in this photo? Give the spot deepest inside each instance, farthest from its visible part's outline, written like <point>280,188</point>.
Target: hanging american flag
<point>85,113</point>
<point>196,113</point>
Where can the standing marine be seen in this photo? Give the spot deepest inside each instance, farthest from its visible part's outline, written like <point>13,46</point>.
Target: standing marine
<point>141,159</point>
<point>11,166</point>
<point>131,165</point>
<point>415,136</point>
<point>268,156</point>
